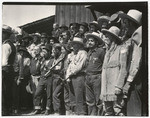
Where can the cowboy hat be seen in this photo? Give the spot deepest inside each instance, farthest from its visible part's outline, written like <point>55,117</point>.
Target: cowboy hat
<point>7,29</point>
<point>133,15</point>
<point>27,36</point>
<point>44,35</point>
<point>95,35</point>
<point>95,23</point>
<point>77,40</point>
<point>64,26</point>
<point>74,25</point>
<point>85,25</point>
<point>103,18</point>
<point>113,31</point>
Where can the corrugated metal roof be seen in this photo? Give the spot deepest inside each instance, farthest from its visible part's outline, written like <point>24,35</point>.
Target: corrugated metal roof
<point>43,25</point>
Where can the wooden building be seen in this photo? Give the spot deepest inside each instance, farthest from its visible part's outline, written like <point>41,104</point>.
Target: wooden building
<point>69,13</point>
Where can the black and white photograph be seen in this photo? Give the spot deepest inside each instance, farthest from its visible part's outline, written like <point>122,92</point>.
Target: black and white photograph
<point>74,59</point>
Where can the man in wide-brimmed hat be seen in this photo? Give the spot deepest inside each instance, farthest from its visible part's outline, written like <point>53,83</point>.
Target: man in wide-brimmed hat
<point>113,73</point>
<point>93,72</point>
<point>132,23</point>
<point>76,75</point>
<point>94,27</point>
<point>20,96</point>
<point>74,29</point>
<point>62,28</point>
<point>44,39</point>
<point>83,29</point>
<point>27,40</point>
<point>103,22</point>
<point>8,57</point>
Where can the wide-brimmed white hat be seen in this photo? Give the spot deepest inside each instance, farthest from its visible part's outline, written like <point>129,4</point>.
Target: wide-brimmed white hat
<point>77,40</point>
<point>114,31</point>
<point>96,36</point>
<point>133,15</point>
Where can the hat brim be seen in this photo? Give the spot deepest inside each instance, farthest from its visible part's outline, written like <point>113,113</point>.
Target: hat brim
<point>103,19</point>
<point>27,37</point>
<point>76,42</point>
<point>123,16</point>
<point>106,31</point>
<point>94,24</point>
<point>84,26</point>
<point>100,41</point>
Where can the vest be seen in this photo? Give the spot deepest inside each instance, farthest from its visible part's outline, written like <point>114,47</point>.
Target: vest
<point>11,58</point>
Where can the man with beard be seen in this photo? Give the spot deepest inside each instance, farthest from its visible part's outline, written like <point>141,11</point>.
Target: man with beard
<point>133,42</point>
<point>93,72</point>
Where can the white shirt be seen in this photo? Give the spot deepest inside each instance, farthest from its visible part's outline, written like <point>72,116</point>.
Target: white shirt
<point>6,51</point>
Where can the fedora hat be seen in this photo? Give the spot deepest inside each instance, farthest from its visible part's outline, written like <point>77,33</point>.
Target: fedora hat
<point>114,31</point>
<point>77,40</point>
<point>96,36</point>
<point>85,25</point>
<point>27,36</point>
<point>103,18</point>
<point>133,15</point>
<point>44,35</point>
<point>64,26</point>
<point>7,29</point>
<point>74,25</point>
<point>95,23</point>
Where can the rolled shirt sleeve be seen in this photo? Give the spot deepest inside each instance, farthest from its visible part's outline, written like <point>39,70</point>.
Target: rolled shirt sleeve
<point>6,51</point>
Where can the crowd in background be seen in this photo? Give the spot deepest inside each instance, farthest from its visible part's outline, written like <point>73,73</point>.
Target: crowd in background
<point>81,69</point>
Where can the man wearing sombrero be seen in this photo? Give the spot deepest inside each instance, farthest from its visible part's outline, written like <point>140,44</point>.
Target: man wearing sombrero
<point>8,57</point>
<point>76,75</point>
<point>93,72</point>
<point>132,88</point>
<point>113,73</point>
<point>94,27</point>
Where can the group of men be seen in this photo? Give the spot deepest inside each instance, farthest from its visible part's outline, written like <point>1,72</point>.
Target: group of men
<point>86,69</point>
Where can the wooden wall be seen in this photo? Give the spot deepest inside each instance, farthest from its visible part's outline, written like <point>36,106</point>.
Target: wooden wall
<point>66,14</point>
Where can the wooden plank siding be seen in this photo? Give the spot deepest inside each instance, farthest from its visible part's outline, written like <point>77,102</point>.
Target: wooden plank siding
<point>66,14</point>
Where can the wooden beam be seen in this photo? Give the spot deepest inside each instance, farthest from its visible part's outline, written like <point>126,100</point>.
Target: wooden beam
<point>94,15</point>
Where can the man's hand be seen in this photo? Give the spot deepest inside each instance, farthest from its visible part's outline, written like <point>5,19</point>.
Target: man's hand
<point>126,88</point>
<point>118,91</point>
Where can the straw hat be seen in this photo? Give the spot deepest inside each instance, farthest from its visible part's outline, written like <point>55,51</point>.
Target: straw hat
<point>114,31</point>
<point>77,40</point>
<point>133,15</point>
<point>95,35</point>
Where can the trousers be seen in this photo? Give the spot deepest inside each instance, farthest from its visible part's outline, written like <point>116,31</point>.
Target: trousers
<point>42,85</point>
